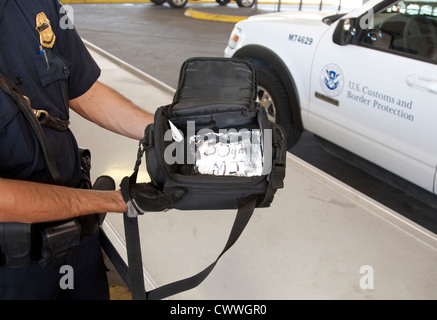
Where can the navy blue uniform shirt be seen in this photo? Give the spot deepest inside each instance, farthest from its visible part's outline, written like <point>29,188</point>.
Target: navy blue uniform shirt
<point>71,72</point>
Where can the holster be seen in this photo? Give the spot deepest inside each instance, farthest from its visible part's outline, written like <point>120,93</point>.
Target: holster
<point>57,240</point>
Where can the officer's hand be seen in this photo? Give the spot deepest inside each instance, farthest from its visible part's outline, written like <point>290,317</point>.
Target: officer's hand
<point>145,197</point>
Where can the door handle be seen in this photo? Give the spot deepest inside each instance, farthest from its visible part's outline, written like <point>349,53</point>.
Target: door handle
<point>423,83</point>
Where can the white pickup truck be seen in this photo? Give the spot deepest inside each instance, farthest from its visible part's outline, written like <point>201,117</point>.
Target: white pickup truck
<point>365,81</point>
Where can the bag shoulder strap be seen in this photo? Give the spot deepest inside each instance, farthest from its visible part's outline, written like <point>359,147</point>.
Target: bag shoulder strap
<point>133,246</point>
<point>135,263</point>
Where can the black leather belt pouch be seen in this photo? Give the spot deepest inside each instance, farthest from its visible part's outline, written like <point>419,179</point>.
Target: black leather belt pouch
<point>57,241</point>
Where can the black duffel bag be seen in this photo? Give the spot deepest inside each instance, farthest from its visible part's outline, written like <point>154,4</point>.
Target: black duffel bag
<point>216,142</point>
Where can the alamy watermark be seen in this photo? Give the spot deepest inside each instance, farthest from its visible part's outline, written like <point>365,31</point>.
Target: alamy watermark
<point>67,280</point>
<point>367,20</point>
<point>67,17</point>
<point>367,280</point>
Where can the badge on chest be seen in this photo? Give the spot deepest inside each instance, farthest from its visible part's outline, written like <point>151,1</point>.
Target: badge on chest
<point>46,35</point>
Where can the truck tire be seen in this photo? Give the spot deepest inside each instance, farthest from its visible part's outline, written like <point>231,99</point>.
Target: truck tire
<point>223,2</point>
<point>158,2</point>
<point>273,96</point>
<point>177,3</point>
<point>245,3</point>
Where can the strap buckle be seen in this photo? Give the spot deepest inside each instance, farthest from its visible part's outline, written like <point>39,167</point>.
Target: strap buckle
<point>38,113</point>
<point>277,177</point>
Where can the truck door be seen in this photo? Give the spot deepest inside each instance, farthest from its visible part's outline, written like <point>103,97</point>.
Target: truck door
<point>376,93</point>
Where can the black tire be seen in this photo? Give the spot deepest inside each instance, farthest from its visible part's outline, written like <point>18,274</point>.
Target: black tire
<point>223,2</point>
<point>158,2</point>
<point>177,3</point>
<point>245,3</point>
<point>273,96</point>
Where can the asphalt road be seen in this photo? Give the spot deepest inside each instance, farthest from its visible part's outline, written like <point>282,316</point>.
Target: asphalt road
<point>154,39</point>
<point>158,39</point>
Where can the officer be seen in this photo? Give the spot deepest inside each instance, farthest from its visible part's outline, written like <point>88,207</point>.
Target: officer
<point>50,65</point>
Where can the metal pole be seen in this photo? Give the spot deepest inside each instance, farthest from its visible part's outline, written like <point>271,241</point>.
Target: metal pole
<point>300,5</point>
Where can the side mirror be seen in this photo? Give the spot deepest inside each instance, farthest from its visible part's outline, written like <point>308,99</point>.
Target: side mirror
<point>345,32</point>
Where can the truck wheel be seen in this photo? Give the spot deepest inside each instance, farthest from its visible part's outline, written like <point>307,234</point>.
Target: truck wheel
<point>158,2</point>
<point>245,3</point>
<point>177,3</point>
<point>222,2</point>
<point>273,97</point>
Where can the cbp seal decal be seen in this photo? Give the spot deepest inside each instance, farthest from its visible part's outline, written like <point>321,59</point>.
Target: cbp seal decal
<point>332,80</point>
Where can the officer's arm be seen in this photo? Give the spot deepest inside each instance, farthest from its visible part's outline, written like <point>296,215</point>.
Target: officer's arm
<point>29,202</point>
<point>111,110</point>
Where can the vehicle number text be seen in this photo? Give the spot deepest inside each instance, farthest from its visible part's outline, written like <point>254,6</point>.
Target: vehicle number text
<point>300,39</point>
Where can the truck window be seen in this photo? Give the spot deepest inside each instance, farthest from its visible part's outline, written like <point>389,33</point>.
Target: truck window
<point>407,27</point>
